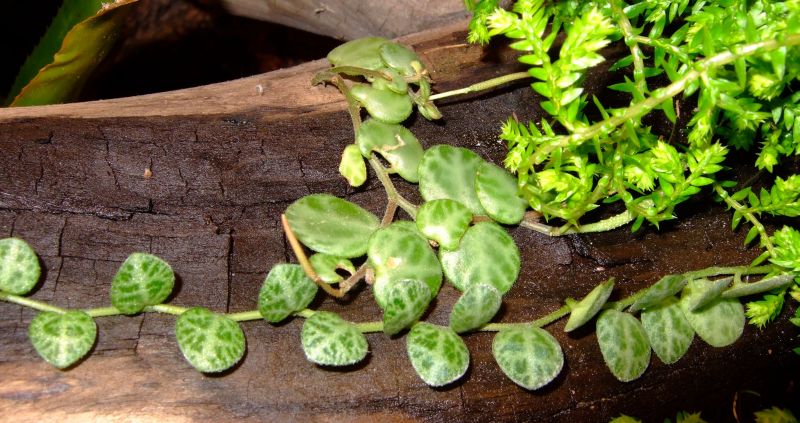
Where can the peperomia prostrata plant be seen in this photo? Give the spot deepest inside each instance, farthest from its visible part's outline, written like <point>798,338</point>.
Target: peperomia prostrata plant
<point>565,167</point>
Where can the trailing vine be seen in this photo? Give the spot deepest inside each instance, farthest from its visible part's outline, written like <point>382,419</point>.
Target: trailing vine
<point>565,167</point>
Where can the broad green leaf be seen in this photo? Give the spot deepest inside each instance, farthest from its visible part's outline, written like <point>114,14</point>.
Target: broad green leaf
<point>141,281</point>
<point>699,292</point>
<point>744,289</point>
<point>528,355</point>
<point>666,287</point>
<point>586,308</point>
<point>82,50</point>
<point>444,221</point>
<point>497,193</point>
<point>69,14</point>
<point>286,290</point>
<point>623,344</point>
<point>399,58</point>
<point>210,342</point>
<point>719,323</point>
<point>486,254</point>
<point>669,332</point>
<point>361,53</point>
<point>19,266</point>
<point>449,172</point>
<point>395,143</point>
<point>329,340</point>
<point>352,166</point>
<point>398,252</point>
<point>405,302</point>
<point>384,105</point>
<point>326,266</point>
<point>62,339</point>
<point>476,307</point>
<point>330,225</point>
<point>437,353</point>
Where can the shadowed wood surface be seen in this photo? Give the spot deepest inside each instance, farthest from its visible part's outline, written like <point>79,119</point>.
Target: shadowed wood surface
<point>226,160</point>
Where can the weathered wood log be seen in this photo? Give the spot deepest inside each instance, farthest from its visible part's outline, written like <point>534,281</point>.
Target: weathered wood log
<point>225,161</point>
<point>347,19</point>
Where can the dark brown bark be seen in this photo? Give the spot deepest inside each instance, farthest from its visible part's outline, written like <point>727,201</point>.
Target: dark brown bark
<point>226,161</point>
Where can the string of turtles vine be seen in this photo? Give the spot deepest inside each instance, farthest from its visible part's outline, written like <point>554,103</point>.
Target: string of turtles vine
<point>565,165</point>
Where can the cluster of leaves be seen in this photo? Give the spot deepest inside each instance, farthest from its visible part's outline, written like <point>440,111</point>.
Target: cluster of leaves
<point>737,61</point>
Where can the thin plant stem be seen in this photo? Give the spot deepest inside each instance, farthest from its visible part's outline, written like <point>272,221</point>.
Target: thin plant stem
<point>245,316</point>
<point>304,262</point>
<point>762,231</point>
<point>630,40</point>
<point>30,303</point>
<point>391,191</point>
<point>484,85</point>
<point>103,311</point>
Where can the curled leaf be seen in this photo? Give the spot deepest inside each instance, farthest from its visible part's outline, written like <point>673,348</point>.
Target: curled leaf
<point>399,58</point>
<point>764,285</point>
<point>19,266</point>
<point>700,292</point>
<point>62,339</point>
<point>286,290</point>
<point>210,342</point>
<point>438,354</point>
<point>584,310</point>
<point>326,265</point>
<point>361,53</point>
<point>476,307</point>
<point>528,355</point>
<point>666,287</point>
<point>142,280</point>
<point>329,340</point>
<point>719,323</point>
<point>352,166</point>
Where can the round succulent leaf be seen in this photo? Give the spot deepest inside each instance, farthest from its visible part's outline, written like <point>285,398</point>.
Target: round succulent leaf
<point>438,354</point>
<point>400,58</point>
<point>326,265</point>
<point>285,290</point>
<point>19,266</point>
<point>406,301</point>
<point>719,323</point>
<point>352,166</point>
<point>329,340</point>
<point>699,292</point>
<point>498,194</point>
<point>486,254</point>
<point>398,146</point>
<point>623,343</point>
<point>210,342</point>
<point>528,355</point>
<point>585,309</point>
<point>444,221</point>
<point>666,287</point>
<point>449,172</point>
<point>669,332</point>
<point>397,83</point>
<point>62,339</point>
<point>331,225</point>
<point>398,252</point>
<point>476,307</point>
<point>142,280</point>
<point>384,105</point>
<point>361,53</point>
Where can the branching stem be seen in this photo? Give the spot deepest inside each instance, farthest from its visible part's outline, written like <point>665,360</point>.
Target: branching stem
<point>762,232</point>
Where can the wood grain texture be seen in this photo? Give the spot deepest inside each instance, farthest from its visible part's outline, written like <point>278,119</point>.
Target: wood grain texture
<point>225,163</point>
